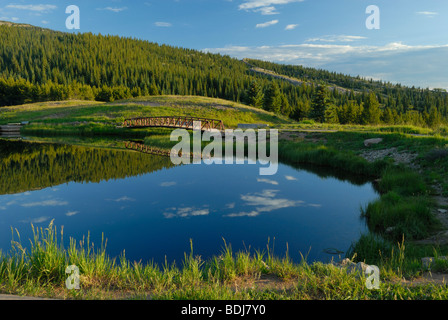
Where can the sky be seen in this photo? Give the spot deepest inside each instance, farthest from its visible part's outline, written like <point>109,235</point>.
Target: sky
<point>402,41</point>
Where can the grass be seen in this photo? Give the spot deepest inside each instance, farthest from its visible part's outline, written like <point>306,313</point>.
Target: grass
<point>403,129</point>
<point>404,204</point>
<point>97,118</point>
<point>40,271</point>
<point>403,212</point>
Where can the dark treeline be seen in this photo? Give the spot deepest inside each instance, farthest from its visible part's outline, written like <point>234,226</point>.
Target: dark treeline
<point>43,65</point>
<point>37,64</point>
<point>393,103</point>
<point>28,166</point>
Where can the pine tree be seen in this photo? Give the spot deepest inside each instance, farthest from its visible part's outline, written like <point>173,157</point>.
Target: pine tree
<point>153,90</point>
<point>372,112</point>
<point>273,98</point>
<point>331,114</point>
<point>286,108</point>
<point>255,94</point>
<point>388,116</point>
<point>301,110</point>
<point>434,118</point>
<point>319,104</point>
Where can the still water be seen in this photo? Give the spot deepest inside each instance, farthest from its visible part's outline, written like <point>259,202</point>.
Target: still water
<point>151,209</point>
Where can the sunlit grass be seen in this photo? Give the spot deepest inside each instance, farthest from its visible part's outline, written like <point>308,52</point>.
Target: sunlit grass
<point>40,270</point>
<point>74,114</point>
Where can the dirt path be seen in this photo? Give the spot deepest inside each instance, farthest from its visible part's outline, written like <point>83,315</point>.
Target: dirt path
<point>12,297</point>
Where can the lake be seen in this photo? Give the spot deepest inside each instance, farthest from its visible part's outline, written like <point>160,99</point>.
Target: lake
<point>151,209</point>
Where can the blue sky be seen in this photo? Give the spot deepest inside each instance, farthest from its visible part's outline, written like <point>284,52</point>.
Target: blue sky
<point>411,46</point>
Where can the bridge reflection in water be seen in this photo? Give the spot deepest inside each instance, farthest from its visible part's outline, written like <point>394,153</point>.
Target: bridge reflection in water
<point>141,147</point>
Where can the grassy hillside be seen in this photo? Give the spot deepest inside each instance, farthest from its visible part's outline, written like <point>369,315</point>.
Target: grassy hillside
<point>103,118</point>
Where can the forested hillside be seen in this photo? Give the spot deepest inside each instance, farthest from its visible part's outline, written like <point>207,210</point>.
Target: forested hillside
<point>44,65</point>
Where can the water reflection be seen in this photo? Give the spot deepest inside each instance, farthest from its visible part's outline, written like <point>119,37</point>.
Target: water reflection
<point>150,208</point>
<point>26,166</point>
<point>266,201</point>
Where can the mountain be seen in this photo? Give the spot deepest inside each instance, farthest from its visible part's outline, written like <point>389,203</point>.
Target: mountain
<point>39,64</point>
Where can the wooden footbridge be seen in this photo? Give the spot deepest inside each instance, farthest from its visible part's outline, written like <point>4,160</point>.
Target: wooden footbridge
<point>175,122</point>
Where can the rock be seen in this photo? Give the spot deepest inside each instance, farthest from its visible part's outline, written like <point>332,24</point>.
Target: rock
<point>426,262</point>
<point>390,229</point>
<point>442,210</point>
<point>359,269</point>
<point>369,142</point>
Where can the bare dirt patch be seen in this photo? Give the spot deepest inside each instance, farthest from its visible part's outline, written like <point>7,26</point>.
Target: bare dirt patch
<point>301,136</point>
<point>140,103</point>
<point>404,157</point>
<point>427,278</point>
<point>264,282</point>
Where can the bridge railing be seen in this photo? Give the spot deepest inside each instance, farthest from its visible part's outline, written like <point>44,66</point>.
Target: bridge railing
<point>174,122</point>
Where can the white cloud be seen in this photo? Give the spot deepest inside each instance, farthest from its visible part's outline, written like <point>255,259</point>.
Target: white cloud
<point>266,201</point>
<point>336,38</point>
<point>186,212</point>
<point>36,220</point>
<point>71,213</point>
<point>8,18</point>
<point>124,198</point>
<point>267,181</point>
<point>266,11</point>
<point>290,178</point>
<point>291,26</point>
<point>230,205</point>
<point>429,14</point>
<point>46,203</point>
<point>254,4</point>
<point>244,214</point>
<point>265,7</point>
<point>113,9</point>
<point>163,24</point>
<point>318,55</point>
<point>33,7</point>
<point>168,184</point>
<point>266,24</point>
